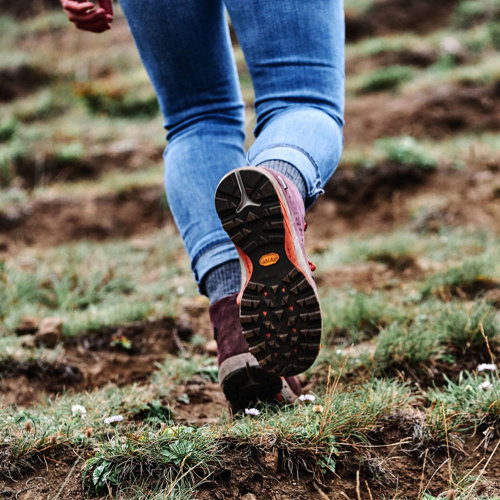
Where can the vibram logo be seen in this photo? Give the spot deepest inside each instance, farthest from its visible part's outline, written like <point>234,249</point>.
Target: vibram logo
<point>269,259</point>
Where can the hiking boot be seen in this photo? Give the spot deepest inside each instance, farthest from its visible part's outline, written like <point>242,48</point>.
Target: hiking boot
<point>243,381</point>
<point>263,214</point>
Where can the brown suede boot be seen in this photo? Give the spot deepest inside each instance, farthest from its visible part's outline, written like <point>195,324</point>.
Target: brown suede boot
<point>243,381</point>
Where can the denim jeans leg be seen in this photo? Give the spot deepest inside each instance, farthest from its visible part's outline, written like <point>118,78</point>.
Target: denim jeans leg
<point>186,50</point>
<point>295,54</point>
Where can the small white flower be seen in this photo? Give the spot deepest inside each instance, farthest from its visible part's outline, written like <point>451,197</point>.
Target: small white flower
<point>338,351</point>
<point>450,45</point>
<point>486,366</point>
<point>307,397</point>
<point>252,411</point>
<point>485,385</point>
<point>113,418</point>
<point>79,410</point>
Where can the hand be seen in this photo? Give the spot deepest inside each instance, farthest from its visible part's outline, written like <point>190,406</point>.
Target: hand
<point>87,16</point>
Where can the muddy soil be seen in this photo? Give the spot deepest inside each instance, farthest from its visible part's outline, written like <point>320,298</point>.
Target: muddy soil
<point>446,198</point>
<point>368,276</point>
<point>92,360</point>
<point>198,401</point>
<point>392,16</point>
<point>137,210</point>
<point>436,113</point>
<point>126,156</point>
<point>420,58</point>
<point>24,9</point>
<point>57,474</point>
<point>21,80</point>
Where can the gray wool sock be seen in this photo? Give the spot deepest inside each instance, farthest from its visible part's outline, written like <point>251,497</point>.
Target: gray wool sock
<point>222,280</point>
<point>289,171</point>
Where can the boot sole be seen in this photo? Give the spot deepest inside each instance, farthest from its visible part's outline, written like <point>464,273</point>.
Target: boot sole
<point>279,310</point>
<point>246,387</point>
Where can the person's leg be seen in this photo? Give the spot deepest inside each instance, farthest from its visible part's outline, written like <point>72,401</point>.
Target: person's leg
<point>295,54</point>
<point>186,49</point>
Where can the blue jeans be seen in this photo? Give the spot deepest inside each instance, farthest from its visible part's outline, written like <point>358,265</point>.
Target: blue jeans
<point>295,54</point>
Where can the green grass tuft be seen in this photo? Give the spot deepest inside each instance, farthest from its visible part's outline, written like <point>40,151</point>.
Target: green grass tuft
<point>406,345</point>
<point>8,129</point>
<point>473,273</point>
<point>117,102</point>
<point>470,12</point>
<point>388,78</point>
<point>356,316</point>
<point>446,330</point>
<point>158,457</point>
<point>473,400</point>
<point>406,150</point>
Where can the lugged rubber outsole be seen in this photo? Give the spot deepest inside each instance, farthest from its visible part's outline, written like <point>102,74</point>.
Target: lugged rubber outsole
<point>279,310</point>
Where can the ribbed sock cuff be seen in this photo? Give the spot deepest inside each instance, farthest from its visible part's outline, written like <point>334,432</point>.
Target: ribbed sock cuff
<point>289,171</point>
<point>223,280</point>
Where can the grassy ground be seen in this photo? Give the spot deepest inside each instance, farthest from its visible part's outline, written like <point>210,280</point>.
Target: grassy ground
<point>404,399</point>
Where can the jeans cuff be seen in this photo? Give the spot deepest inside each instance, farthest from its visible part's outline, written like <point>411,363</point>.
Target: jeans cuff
<point>300,160</point>
<point>212,257</point>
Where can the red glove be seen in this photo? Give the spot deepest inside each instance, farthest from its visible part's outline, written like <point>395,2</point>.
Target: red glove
<point>86,16</point>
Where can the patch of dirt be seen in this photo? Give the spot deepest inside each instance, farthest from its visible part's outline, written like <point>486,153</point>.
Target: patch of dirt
<point>57,472</point>
<point>92,360</point>
<point>20,80</point>
<point>392,16</point>
<point>23,383</point>
<point>367,276</point>
<point>408,57</point>
<point>367,202</point>
<point>198,401</point>
<point>433,372</point>
<point>49,222</point>
<point>436,112</point>
<point>365,185</point>
<point>125,155</point>
<point>24,9</point>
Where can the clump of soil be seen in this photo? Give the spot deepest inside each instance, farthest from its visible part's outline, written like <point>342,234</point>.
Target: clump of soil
<point>56,473</point>
<point>119,355</point>
<point>116,215</point>
<point>437,112</point>
<point>433,372</point>
<point>51,168</point>
<point>405,57</point>
<point>367,276</point>
<point>20,80</point>
<point>24,9</point>
<point>198,401</point>
<point>22,383</point>
<point>391,16</point>
<point>366,185</point>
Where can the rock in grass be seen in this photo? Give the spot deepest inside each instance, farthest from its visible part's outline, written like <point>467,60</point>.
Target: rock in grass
<point>28,325</point>
<point>49,333</point>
